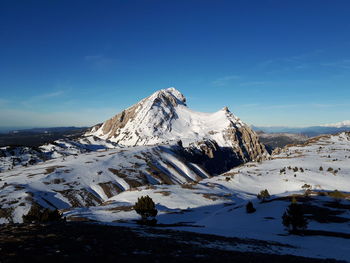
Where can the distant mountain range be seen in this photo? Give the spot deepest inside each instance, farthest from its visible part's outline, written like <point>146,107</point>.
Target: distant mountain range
<point>307,131</point>
<point>38,136</point>
<point>338,124</point>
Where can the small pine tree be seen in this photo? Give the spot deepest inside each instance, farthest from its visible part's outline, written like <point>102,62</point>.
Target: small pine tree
<point>263,195</point>
<point>250,208</point>
<point>293,218</point>
<point>146,208</point>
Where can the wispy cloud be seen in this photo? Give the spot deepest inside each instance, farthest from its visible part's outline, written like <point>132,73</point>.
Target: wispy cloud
<point>291,63</point>
<point>343,64</point>
<point>293,106</point>
<point>225,80</point>
<point>329,105</point>
<point>48,95</point>
<point>39,98</point>
<point>99,61</point>
<point>255,83</point>
<point>93,57</point>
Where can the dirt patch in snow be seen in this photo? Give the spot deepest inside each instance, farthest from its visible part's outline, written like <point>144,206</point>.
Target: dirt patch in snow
<point>51,169</point>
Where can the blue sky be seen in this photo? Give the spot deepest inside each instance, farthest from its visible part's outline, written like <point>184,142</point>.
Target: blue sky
<point>80,62</point>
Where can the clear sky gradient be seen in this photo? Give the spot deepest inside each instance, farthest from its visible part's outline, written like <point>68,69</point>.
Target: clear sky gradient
<point>80,62</point>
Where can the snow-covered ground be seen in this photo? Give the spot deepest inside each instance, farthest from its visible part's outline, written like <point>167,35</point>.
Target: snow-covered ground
<point>217,204</point>
<point>213,205</point>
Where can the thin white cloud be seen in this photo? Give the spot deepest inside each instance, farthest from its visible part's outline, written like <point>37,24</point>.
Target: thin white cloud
<point>93,57</point>
<point>99,61</point>
<point>48,95</point>
<point>255,83</point>
<point>291,63</point>
<point>225,80</point>
<point>343,64</point>
<point>41,97</point>
<point>298,106</point>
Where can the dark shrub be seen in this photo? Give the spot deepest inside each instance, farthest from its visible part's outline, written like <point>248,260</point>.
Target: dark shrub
<point>263,195</point>
<point>250,208</point>
<point>39,214</point>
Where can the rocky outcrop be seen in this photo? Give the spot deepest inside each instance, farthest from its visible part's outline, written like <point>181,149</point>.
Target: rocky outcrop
<point>213,158</point>
<point>247,144</point>
<point>216,159</point>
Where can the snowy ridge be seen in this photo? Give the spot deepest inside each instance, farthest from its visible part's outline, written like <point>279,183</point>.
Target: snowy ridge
<point>12,156</point>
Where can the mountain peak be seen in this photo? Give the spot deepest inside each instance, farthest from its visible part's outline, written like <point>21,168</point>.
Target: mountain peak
<point>225,109</point>
<point>169,96</point>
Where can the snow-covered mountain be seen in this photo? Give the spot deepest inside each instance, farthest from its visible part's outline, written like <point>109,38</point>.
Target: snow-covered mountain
<point>164,117</point>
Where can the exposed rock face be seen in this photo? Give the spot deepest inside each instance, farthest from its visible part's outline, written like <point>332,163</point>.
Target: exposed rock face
<point>247,143</point>
<point>217,160</point>
<point>218,141</point>
<point>213,158</point>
